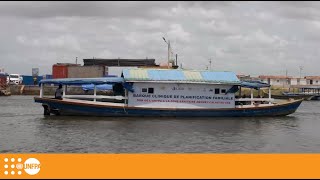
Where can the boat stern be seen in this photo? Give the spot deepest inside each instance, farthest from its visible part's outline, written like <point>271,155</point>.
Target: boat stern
<point>48,108</point>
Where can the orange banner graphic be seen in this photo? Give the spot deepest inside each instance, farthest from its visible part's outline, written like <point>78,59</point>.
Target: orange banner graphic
<point>159,166</point>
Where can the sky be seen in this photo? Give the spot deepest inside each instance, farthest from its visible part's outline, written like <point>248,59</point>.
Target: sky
<point>251,38</point>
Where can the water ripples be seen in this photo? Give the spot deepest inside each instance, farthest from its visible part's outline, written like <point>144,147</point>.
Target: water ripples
<point>24,129</point>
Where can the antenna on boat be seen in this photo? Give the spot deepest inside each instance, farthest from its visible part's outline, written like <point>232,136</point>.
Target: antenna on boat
<point>176,59</point>
<point>301,68</point>
<point>210,63</point>
<point>169,47</point>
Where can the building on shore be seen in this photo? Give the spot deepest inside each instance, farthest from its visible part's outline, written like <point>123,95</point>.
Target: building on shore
<point>97,67</point>
<point>276,80</point>
<point>283,81</point>
<point>289,81</point>
<point>312,80</point>
<point>298,81</point>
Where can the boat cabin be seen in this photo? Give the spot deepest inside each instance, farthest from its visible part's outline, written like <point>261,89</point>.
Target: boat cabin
<point>164,88</point>
<point>180,88</point>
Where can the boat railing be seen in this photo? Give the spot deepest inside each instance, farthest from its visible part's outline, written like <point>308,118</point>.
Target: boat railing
<point>308,93</point>
<point>255,100</point>
<point>95,97</point>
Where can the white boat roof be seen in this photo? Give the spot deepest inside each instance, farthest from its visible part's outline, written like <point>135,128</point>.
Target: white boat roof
<point>179,76</point>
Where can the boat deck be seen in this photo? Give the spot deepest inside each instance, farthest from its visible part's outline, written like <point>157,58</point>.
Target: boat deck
<point>97,102</point>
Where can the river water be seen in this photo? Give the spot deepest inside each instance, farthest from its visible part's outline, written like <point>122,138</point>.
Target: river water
<point>24,129</point>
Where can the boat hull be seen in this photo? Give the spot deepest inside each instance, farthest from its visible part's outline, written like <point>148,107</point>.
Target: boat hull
<point>62,107</point>
<point>305,97</point>
<point>316,97</point>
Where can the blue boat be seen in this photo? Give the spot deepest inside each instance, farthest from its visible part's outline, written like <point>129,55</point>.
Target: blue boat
<point>305,92</point>
<point>289,95</point>
<point>165,92</point>
<point>313,91</point>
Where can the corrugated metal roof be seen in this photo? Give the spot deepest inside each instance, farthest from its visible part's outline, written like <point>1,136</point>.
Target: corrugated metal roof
<point>192,75</point>
<point>119,62</point>
<point>142,75</point>
<point>312,77</point>
<point>177,75</point>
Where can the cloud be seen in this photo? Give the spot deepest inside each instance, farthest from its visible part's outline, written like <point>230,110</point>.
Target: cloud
<point>61,42</point>
<point>51,26</point>
<point>177,32</point>
<point>258,39</point>
<point>79,8</point>
<point>218,27</point>
<point>252,37</point>
<point>21,39</point>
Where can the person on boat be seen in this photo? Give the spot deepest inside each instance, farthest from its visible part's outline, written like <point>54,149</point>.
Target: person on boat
<point>34,80</point>
<point>59,92</point>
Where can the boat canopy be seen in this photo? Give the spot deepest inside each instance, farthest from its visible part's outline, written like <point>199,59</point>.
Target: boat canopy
<point>248,84</point>
<point>82,81</point>
<point>100,87</point>
<point>254,84</point>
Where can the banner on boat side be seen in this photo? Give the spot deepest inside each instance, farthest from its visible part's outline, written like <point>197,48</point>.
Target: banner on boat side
<point>158,166</point>
<point>182,96</point>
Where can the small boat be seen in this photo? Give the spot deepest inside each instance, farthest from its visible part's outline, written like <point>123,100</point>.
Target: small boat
<point>287,95</point>
<point>307,93</point>
<point>313,91</point>
<point>165,92</point>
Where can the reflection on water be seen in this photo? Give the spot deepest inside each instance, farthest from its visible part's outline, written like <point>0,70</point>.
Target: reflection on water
<point>24,129</point>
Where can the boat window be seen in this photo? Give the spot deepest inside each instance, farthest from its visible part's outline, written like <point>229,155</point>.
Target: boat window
<point>14,76</point>
<point>144,90</point>
<point>217,91</point>
<point>150,90</point>
<point>223,91</point>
